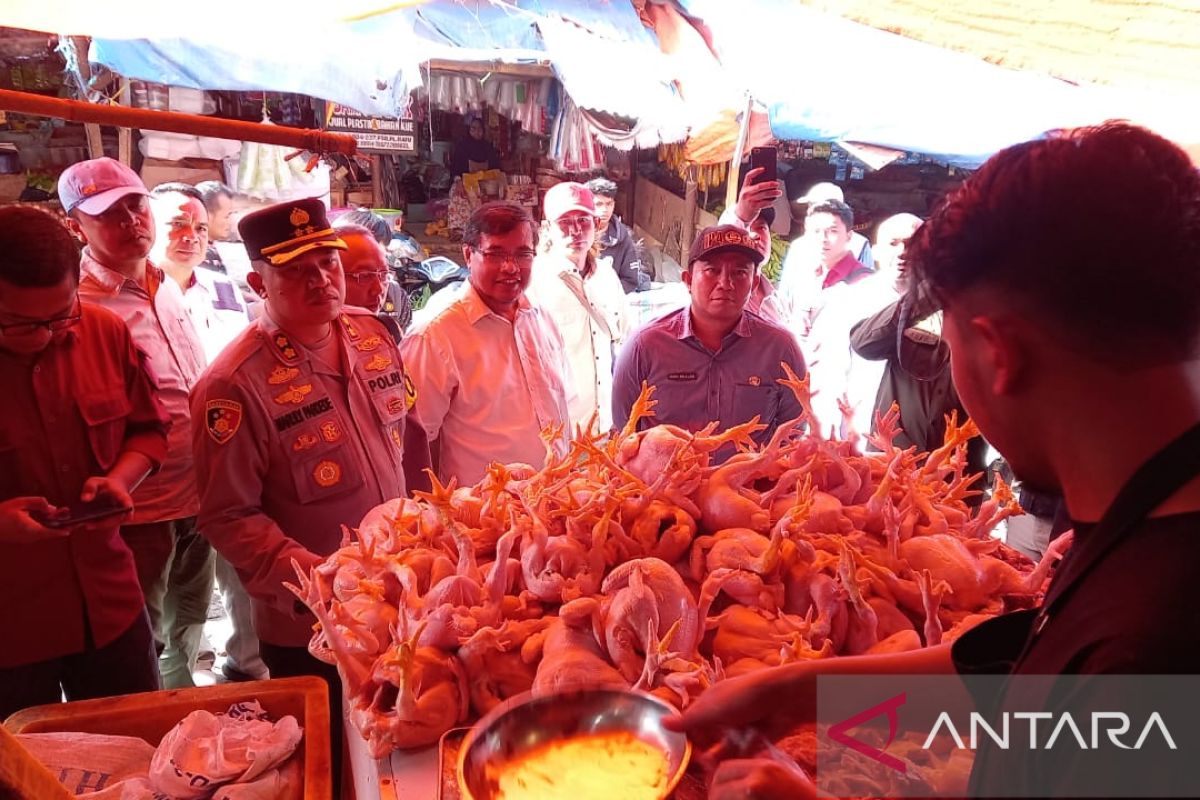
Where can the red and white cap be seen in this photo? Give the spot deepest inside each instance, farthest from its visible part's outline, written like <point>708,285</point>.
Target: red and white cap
<point>563,198</point>
<point>92,186</point>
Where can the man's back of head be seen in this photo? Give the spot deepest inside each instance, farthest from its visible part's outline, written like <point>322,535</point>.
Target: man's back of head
<point>1094,235</point>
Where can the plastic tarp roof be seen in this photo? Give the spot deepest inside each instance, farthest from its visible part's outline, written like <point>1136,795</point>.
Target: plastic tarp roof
<point>826,78</point>
<point>606,59</point>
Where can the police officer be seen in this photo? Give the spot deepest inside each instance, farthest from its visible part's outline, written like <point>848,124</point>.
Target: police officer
<point>300,426</point>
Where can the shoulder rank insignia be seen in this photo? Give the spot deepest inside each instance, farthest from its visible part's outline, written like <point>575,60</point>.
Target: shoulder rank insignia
<point>379,363</point>
<point>396,437</point>
<point>294,395</point>
<point>304,441</point>
<point>283,345</point>
<point>369,344</point>
<point>395,405</point>
<point>282,375</point>
<point>351,329</point>
<point>222,418</point>
<point>327,473</point>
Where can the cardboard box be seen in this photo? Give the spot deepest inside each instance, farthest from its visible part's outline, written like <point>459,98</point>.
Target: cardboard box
<point>190,171</point>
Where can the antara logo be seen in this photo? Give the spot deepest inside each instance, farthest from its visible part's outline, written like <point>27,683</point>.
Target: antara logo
<point>1113,723</point>
<point>891,708</point>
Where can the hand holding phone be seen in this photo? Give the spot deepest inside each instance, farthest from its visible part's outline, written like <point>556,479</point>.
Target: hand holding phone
<point>19,521</point>
<point>760,188</point>
<point>79,513</point>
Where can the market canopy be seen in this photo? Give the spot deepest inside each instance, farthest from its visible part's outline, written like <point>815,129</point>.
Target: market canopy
<point>826,78</point>
<point>369,55</point>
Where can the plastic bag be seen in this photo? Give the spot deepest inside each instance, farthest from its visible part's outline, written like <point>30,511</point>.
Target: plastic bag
<point>206,751</point>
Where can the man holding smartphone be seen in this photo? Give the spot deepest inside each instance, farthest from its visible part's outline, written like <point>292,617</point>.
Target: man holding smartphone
<point>79,430</point>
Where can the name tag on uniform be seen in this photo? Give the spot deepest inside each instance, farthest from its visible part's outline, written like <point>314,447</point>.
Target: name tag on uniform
<point>681,376</point>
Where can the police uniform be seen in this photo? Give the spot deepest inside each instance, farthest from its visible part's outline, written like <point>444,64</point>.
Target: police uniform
<point>288,448</point>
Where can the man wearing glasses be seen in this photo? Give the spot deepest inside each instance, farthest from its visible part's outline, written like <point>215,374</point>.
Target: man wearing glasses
<point>583,295</point>
<point>365,265</point>
<point>109,211</point>
<point>78,425</point>
<point>490,370</point>
<point>300,427</point>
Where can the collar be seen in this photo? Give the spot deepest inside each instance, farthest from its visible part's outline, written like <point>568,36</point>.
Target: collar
<point>685,330</point>
<point>110,280</point>
<point>476,309</point>
<point>843,270</point>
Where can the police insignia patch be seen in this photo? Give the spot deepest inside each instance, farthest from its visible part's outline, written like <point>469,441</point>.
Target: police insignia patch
<point>294,395</point>
<point>330,432</point>
<point>222,418</point>
<point>379,363</point>
<point>369,344</point>
<point>410,390</point>
<point>327,473</point>
<point>282,375</point>
<point>395,405</point>
<point>304,441</point>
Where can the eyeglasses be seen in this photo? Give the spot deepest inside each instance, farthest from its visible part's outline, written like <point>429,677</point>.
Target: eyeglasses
<point>52,325</point>
<point>497,258</point>
<point>367,277</point>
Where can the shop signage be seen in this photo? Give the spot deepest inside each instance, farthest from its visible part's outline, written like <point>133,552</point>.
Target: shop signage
<point>373,134</point>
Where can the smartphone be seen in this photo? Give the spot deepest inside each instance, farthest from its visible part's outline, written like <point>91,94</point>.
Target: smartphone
<point>766,158</point>
<point>78,513</point>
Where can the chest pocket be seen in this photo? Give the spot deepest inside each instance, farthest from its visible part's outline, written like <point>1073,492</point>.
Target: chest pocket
<point>323,462</point>
<point>105,415</point>
<point>755,398</point>
<point>12,483</point>
<point>391,395</point>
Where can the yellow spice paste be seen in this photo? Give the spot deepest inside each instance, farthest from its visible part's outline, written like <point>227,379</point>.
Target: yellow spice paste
<point>600,767</point>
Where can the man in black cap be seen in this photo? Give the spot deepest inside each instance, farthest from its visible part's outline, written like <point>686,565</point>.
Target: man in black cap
<point>300,426</point>
<point>715,360</point>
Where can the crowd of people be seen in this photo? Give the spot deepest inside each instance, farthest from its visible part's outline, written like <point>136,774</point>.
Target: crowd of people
<point>229,430</point>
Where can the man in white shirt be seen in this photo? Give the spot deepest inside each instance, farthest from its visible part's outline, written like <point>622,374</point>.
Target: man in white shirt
<point>213,301</point>
<point>821,289</point>
<point>584,297</point>
<point>490,372</point>
<point>219,314</point>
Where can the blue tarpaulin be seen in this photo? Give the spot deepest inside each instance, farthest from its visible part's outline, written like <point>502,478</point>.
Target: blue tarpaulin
<point>605,57</point>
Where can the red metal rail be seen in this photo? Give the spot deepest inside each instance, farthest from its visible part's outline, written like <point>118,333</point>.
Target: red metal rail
<point>195,124</point>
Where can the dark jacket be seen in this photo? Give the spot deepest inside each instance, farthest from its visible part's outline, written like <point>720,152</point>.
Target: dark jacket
<point>916,377</point>
<point>617,243</point>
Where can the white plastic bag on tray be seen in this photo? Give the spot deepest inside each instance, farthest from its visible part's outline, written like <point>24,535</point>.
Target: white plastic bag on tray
<point>206,751</point>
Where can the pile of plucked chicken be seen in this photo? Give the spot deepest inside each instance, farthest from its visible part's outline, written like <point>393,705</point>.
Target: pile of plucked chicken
<point>636,561</point>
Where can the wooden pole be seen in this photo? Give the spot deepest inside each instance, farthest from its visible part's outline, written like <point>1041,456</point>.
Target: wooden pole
<point>689,217</point>
<point>76,111</point>
<point>377,182</point>
<point>124,135</point>
<point>731,183</point>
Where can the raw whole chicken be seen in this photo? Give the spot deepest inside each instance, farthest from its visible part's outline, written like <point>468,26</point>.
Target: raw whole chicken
<point>630,560</point>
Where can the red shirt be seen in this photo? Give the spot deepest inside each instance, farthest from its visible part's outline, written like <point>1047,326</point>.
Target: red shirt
<point>848,269</point>
<point>66,414</point>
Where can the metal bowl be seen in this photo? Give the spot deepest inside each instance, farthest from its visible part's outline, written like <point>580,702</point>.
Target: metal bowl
<point>525,722</point>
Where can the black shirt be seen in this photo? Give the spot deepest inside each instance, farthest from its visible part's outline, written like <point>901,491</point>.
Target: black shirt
<point>1130,615</point>
<point>617,243</point>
